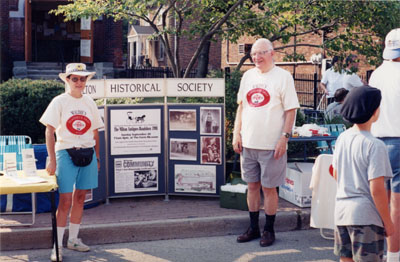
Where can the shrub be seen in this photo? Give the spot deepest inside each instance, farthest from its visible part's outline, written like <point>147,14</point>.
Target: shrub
<point>22,103</point>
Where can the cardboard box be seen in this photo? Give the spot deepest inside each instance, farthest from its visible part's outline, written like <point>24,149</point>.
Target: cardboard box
<point>296,189</point>
<point>233,198</point>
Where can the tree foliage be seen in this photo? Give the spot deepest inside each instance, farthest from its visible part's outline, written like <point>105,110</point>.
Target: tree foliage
<point>346,26</point>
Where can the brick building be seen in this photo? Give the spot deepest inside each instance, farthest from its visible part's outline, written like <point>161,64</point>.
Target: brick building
<point>143,50</point>
<point>29,33</point>
<point>232,53</point>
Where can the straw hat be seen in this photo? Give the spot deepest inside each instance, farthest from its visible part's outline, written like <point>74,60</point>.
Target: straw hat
<point>76,69</point>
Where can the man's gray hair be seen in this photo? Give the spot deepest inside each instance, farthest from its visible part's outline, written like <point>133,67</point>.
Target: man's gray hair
<point>264,41</point>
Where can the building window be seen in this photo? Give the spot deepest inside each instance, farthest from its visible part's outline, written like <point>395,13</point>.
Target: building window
<point>160,50</point>
<point>244,48</point>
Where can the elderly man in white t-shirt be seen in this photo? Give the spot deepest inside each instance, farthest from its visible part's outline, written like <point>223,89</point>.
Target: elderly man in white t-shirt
<point>267,103</point>
<point>387,78</point>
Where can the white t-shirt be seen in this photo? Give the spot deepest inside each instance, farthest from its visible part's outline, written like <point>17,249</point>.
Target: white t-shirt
<point>265,98</point>
<point>333,81</point>
<point>387,78</point>
<point>358,158</point>
<point>75,119</point>
<point>351,81</point>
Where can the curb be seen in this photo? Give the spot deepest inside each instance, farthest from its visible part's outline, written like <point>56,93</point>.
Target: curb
<point>38,238</point>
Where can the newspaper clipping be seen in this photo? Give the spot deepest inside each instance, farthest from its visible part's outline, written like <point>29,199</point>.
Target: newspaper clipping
<point>136,174</point>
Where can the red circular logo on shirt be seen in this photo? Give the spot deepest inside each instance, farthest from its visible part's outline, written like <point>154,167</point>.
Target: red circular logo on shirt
<point>331,170</point>
<point>78,124</point>
<point>258,97</point>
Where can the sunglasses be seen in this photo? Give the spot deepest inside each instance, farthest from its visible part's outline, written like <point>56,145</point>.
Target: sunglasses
<point>76,79</point>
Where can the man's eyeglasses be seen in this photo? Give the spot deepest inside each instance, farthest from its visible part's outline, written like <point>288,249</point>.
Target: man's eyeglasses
<point>76,79</point>
<point>260,53</point>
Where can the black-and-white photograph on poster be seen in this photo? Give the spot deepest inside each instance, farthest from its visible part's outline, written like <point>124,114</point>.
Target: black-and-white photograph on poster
<point>136,174</point>
<point>182,120</point>
<point>183,149</point>
<point>210,120</point>
<point>210,150</point>
<point>195,179</point>
<point>135,131</point>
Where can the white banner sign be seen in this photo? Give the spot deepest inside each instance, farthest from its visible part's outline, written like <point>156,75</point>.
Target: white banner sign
<point>95,88</point>
<point>135,88</point>
<point>196,87</point>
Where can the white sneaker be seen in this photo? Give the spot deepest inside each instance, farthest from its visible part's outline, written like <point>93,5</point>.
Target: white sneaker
<point>76,244</point>
<point>53,256</point>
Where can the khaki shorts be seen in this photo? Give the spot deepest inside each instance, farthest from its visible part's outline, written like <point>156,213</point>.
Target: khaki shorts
<point>362,243</point>
<point>260,165</point>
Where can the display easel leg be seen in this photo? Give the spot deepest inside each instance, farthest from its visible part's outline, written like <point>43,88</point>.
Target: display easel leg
<point>54,222</point>
<point>166,199</point>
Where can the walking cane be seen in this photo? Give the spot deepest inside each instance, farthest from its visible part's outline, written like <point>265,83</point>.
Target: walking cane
<point>320,101</point>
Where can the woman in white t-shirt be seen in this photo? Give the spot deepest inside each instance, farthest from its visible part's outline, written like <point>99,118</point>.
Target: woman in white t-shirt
<point>75,120</point>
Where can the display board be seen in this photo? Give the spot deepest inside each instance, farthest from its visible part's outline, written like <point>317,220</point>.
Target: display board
<point>100,193</point>
<point>135,150</point>
<point>196,139</point>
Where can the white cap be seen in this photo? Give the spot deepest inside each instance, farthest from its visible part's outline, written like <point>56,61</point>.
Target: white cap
<point>392,45</point>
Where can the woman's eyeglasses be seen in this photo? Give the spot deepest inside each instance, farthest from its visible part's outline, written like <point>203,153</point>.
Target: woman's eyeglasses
<point>76,79</point>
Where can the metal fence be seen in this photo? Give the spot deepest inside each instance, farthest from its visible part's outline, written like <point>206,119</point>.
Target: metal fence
<point>308,92</point>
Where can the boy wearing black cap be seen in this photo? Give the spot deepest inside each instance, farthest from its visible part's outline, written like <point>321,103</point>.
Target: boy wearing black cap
<point>361,167</point>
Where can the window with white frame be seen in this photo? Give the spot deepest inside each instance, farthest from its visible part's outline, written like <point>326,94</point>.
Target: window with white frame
<point>244,48</point>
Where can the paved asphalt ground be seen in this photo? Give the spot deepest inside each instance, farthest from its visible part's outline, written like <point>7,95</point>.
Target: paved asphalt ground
<point>147,219</point>
<point>293,246</point>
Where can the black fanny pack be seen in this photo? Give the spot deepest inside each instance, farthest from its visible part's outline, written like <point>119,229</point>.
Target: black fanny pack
<point>81,156</point>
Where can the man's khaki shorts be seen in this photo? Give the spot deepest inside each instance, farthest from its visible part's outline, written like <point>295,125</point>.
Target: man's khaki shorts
<point>260,165</point>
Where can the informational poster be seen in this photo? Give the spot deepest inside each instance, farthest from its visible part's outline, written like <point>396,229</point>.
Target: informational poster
<point>85,47</point>
<point>28,162</point>
<point>136,174</point>
<point>135,131</point>
<point>85,23</point>
<point>10,164</point>
<point>195,179</point>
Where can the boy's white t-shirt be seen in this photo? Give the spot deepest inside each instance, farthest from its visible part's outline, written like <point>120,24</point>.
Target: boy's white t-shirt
<point>75,119</point>
<point>265,98</point>
<point>359,157</point>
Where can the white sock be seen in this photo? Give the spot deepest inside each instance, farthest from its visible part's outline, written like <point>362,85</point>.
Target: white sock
<point>73,231</point>
<point>60,235</point>
<point>393,256</point>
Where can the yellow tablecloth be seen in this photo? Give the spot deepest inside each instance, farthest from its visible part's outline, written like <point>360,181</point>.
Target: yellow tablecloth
<point>8,186</point>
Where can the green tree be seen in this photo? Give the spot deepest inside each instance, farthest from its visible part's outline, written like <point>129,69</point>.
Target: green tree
<point>345,26</point>
<point>194,19</point>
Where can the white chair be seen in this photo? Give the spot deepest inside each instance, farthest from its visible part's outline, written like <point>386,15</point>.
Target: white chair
<point>323,187</point>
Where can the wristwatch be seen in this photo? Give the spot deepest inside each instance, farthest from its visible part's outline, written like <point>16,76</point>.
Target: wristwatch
<point>287,135</point>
